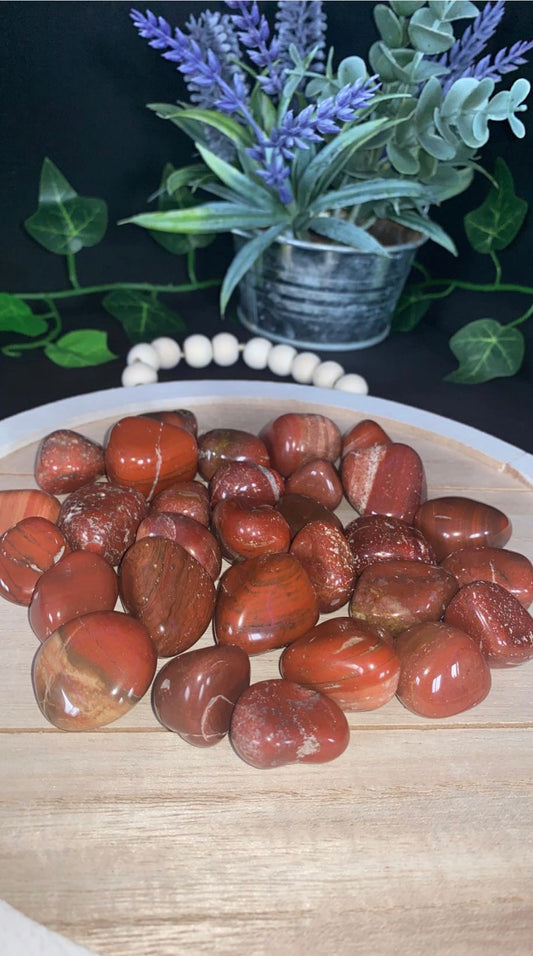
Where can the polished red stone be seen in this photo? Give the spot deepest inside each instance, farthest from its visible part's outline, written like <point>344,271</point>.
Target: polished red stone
<point>67,460</point>
<point>169,591</point>
<point>377,538</point>
<point>384,479</point>
<point>103,518</point>
<point>79,583</point>
<point>245,479</point>
<point>363,435</point>
<point>92,670</point>
<point>193,536</point>
<point>180,418</point>
<point>351,661</point>
<point>300,510</point>
<point>317,479</point>
<point>194,694</point>
<point>26,551</point>
<point>398,594</point>
<point>148,455</point>
<point>442,670</point>
<point>277,722</point>
<point>190,498</point>
<point>264,603</point>
<point>326,556</point>
<point>246,529</point>
<point>454,522</point>
<point>229,444</point>
<point>496,620</point>
<point>298,437</point>
<point>510,570</point>
<point>20,503</point>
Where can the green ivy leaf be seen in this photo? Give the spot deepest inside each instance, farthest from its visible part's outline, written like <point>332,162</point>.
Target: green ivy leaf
<point>16,316</point>
<point>410,310</point>
<point>80,349</point>
<point>178,198</point>
<point>486,350</point>
<point>495,223</point>
<point>143,317</point>
<point>64,222</point>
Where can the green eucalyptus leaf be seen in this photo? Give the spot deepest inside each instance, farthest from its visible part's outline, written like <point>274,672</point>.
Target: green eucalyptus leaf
<point>429,35</point>
<point>486,350</point>
<point>245,259</point>
<point>346,234</point>
<point>80,349</point>
<point>494,224</point>
<point>211,217</point>
<point>16,316</point>
<point>352,68</point>
<point>64,222</point>
<point>142,316</point>
<point>388,25</point>
<point>453,9</point>
<point>410,310</point>
<point>406,8</point>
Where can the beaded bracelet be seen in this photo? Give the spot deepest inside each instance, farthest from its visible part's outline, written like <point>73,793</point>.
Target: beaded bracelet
<point>198,351</point>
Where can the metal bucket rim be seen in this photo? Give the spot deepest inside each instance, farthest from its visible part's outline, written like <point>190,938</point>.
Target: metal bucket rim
<point>334,247</point>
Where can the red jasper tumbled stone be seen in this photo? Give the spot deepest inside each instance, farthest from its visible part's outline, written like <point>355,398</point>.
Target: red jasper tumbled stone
<point>364,434</point>
<point>300,510</point>
<point>317,479</point>
<point>103,518</point>
<point>384,479</point>
<point>92,670</point>
<point>26,551</point>
<point>496,620</point>
<point>245,479</point>
<point>180,418</point>
<point>277,722</point>
<point>326,556</point>
<point>398,594</point>
<point>79,583</point>
<point>454,522</point>
<point>149,455</point>
<point>510,570</point>
<point>442,670</point>
<point>66,460</point>
<point>264,603</point>
<point>377,538</point>
<point>190,498</point>
<point>351,661</point>
<point>246,530</point>
<point>167,589</point>
<point>298,437</point>
<point>190,534</point>
<point>194,694</point>
<point>20,503</point>
<point>229,444</point>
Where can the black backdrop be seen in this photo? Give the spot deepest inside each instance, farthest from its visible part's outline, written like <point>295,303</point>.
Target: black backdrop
<point>75,81</point>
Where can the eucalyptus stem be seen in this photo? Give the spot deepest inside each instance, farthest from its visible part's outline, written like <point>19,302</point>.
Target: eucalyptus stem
<point>111,286</point>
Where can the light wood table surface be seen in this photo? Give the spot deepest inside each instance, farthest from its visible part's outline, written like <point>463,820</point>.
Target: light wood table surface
<point>417,840</point>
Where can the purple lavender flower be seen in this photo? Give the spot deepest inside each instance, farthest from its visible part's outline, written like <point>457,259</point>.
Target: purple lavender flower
<point>303,24</point>
<point>253,32</point>
<point>461,58</point>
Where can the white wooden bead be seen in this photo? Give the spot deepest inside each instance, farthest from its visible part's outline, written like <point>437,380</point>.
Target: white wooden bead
<point>304,366</point>
<point>225,349</point>
<point>168,351</point>
<point>352,383</point>
<point>138,374</point>
<point>198,351</point>
<point>143,353</point>
<point>327,374</point>
<point>255,353</point>
<point>280,359</point>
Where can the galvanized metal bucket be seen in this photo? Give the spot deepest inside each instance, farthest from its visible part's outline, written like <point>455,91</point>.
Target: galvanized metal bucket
<point>321,295</point>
